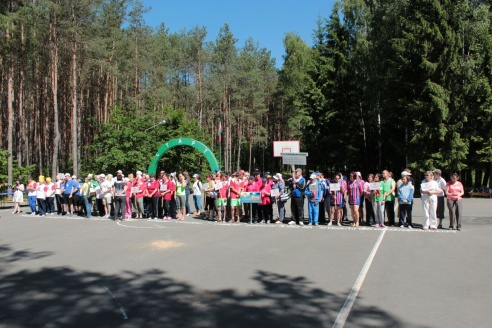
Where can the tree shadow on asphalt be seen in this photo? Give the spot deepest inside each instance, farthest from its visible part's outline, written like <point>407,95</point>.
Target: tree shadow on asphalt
<point>63,297</point>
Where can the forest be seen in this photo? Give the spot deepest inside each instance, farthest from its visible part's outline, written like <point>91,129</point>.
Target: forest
<point>384,84</point>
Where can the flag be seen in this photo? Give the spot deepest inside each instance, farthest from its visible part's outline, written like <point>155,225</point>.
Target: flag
<point>219,131</point>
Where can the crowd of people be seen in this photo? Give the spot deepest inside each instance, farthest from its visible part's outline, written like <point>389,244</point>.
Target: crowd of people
<point>168,195</point>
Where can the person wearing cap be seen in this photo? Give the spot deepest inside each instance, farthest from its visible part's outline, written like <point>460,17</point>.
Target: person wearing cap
<point>197,193</point>
<point>297,186</point>
<point>235,189</point>
<point>77,195</point>
<point>280,185</point>
<point>50,189</point>
<point>405,199</point>
<point>41,195</point>
<point>313,194</point>
<point>429,201</point>
<point>264,207</point>
<point>440,197</point>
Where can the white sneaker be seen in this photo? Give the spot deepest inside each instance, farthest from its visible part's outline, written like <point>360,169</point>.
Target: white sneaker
<point>301,223</point>
<point>329,224</point>
<point>292,222</point>
<point>402,226</point>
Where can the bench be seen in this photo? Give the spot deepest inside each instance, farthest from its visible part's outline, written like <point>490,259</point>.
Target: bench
<point>480,194</point>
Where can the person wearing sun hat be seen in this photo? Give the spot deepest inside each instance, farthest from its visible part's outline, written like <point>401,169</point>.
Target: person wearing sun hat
<point>313,193</point>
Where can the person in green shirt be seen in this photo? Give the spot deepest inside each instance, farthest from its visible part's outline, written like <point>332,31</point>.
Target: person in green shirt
<point>389,187</point>
<point>181,197</point>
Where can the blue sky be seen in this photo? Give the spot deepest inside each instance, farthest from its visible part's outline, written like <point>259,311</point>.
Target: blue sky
<point>266,21</point>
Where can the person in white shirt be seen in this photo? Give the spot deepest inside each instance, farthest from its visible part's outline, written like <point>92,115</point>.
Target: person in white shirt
<point>41,196</point>
<point>429,201</point>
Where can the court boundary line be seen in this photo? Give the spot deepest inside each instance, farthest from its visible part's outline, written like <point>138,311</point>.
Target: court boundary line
<point>354,292</point>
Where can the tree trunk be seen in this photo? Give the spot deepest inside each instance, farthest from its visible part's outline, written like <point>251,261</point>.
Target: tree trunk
<point>75,147</point>
<point>10,111</point>
<point>54,89</point>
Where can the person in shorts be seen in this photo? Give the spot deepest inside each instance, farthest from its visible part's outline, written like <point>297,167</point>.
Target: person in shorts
<point>235,188</point>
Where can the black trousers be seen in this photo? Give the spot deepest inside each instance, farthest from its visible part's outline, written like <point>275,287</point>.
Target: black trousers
<point>153,203</point>
<point>389,206</point>
<point>297,209</point>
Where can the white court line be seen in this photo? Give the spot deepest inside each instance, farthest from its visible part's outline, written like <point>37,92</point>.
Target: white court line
<point>349,302</point>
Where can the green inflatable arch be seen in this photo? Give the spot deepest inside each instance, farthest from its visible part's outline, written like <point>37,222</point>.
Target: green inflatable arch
<point>209,155</point>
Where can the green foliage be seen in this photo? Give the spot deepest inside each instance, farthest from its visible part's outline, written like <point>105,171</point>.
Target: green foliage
<point>21,172</point>
<point>124,144</point>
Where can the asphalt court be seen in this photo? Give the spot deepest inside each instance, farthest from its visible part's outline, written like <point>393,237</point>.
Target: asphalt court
<point>60,272</point>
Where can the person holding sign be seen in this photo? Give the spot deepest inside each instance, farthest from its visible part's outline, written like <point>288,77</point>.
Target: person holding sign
<point>454,192</point>
<point>313,193</point>
<point>378,200</point>
<point>338,190</point>
<point>355,189</point>
<point>153,195</point>
<point>429,189</point>
<point>279,186</point>
<point>297,185</point>
<point>263,208</point>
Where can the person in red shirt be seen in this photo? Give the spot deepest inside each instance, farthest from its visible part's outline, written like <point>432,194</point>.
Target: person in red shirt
<point>264,206</point>
<point>152,194</point>
<point>167,192</point>
<point>235,188</point>
<point>221,201</point>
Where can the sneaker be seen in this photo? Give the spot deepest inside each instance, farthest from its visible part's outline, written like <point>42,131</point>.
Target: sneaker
<point>409,226</point>
<point>329,224</point>
<point>377,225</point>
<point>315,224</point>
<point>268,222</point>
<point>292,223</point>
<point>338,224</point>
<point>402,226</point>
<point>188,214</point>
<point>383,226</point>
<point>301,223</point>
<point>424,228</point>
<point>433,228</point>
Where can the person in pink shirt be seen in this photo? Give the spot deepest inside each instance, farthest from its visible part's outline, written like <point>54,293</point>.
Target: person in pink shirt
<point>454,192</point>
<point>264,207</point>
